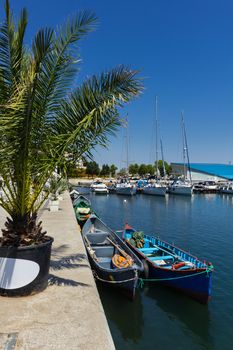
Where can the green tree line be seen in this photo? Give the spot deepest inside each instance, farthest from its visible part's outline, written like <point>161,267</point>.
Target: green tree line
<point>145,169</point>
<point>92,169</point>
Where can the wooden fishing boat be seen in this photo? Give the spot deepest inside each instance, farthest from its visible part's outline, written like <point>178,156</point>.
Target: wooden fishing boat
<point>112,261</point>
<point>83,209</point>
<point>171,266</point>
<point>74,194</point>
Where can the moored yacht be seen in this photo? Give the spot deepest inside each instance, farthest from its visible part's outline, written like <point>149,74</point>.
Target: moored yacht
<point>99,187</point>
<point>210,185</point>
<point>126,188</point>
<point>181,187</point>
<point>156,189</point>
<point>227,189</point>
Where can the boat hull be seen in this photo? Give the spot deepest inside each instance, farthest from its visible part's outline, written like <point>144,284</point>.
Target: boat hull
<point>185,191</point>
<point>124,281</point>
<point>98,239</point>
<point>155,191</point>
<point>195,283</point>
<point>101,191</point>
<point>82,208</point>
<point>226,190</point>
<point>127,191</point>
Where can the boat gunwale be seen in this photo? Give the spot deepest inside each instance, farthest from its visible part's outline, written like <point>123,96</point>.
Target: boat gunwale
<point>85,199</point>
<point>137,262</point>
<point>195,269</point>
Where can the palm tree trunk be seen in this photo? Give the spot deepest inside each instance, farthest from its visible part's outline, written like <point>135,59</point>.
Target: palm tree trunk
<point>22,230</point>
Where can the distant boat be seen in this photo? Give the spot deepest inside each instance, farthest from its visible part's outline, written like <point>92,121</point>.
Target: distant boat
<point>82,208</point>
<point>210,185</point>
<point>112,261</point>
<point>156,188</point>
<point>227,189</point>
<point>99,187</point>
<point>170,265</point>
<point>183,186</point>
<point>126,188</point>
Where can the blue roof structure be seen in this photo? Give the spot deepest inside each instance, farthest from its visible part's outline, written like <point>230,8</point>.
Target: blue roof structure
<point>222,170</point>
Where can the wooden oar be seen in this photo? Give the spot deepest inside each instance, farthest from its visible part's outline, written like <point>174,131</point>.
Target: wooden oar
<point>90,247</point>
<point>127,256</point>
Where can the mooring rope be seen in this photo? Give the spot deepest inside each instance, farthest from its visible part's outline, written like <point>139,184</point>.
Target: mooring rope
<point>142,280</point>
<point>114,282</point>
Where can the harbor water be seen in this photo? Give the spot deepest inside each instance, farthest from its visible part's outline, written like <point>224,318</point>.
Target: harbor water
<point>160,318</point>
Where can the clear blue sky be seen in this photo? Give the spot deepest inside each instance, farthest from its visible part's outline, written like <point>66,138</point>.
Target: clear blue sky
<point>184,49</point>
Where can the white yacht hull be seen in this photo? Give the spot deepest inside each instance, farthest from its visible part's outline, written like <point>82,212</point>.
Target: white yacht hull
<point>182,190</point>
<point>100,190</point>
<point>155,191</point>
<point>128,191</point>
<point>226,191</point>
<point>185,191</point>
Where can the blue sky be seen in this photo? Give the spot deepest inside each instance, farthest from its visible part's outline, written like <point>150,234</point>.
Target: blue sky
<point>184,50</point>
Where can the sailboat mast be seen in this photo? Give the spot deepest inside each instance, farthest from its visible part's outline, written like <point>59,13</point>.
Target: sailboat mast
<point>185,148</point>
<point>164,169</point>
<point>127,146</point>
<point>183,142</point>
<point>156,134</point>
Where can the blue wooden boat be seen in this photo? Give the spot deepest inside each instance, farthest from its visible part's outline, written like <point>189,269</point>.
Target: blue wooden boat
<point>112,261</point>
<point>171,266</point>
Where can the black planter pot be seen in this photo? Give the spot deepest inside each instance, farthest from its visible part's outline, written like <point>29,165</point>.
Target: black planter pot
<point>24,270</point>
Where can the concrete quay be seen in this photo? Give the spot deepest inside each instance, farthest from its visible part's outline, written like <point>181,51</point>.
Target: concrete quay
<point>68,315</point>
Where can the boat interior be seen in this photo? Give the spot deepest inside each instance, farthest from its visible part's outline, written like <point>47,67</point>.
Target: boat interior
<point>157,256</point>
<point>162,256</point>
<point>101,246</point>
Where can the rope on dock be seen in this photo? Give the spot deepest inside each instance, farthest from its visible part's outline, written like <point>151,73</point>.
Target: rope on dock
<point>142,280</point>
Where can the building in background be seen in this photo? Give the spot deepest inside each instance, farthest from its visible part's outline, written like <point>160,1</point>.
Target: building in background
<point>205,171</point>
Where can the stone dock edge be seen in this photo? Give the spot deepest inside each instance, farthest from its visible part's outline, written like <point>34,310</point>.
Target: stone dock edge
<point>68,314</point>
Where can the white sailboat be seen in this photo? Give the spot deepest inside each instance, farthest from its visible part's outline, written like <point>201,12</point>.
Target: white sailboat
<point>99,187</point>
<point>183,186</point>
<point>125,187</point>
<point>156,188</point>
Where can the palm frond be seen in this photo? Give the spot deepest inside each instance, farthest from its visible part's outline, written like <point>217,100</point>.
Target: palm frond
<point>60,66</point>
<point>90,113</point>
<point>11,51</point>
<point>42,115</point>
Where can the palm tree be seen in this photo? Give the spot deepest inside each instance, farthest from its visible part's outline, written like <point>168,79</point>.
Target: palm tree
<point>43,114</point>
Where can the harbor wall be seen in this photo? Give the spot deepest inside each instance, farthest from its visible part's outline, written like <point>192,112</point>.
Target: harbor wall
<point>68,314</point>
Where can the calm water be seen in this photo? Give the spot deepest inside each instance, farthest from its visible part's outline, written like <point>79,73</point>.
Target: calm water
<point>160,318</point>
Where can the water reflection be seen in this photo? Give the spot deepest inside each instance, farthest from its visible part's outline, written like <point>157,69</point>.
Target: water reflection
<point>227,198</point>
<point>160,318</point>
<point>193,316</point>
<point>126,315</point>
